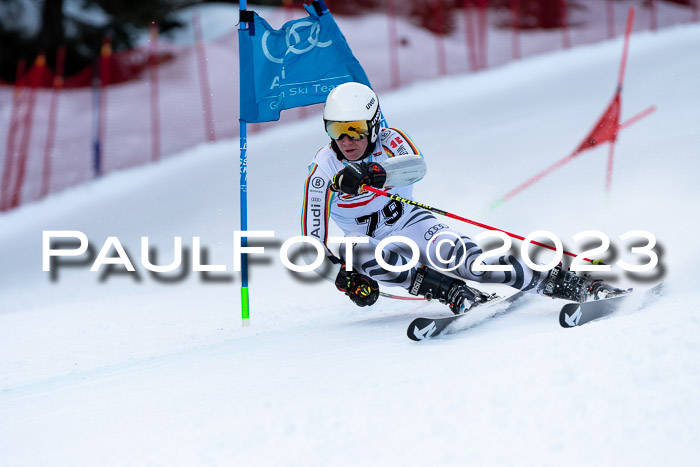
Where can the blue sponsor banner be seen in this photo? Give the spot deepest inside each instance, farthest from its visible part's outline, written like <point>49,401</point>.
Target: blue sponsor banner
<point>294,66</point>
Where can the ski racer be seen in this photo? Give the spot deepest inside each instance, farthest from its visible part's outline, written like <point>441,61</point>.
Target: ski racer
<point>358,148</point>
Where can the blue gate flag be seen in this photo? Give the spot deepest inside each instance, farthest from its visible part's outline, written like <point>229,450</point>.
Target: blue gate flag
<point>294,66</point>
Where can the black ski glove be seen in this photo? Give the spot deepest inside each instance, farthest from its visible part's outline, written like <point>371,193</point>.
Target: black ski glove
<point>361,289</point>
<point>353,176</point>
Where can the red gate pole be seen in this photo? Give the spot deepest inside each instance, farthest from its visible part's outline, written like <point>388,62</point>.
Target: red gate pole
<point>643,114</point>
<point>440,38</point>
<point>483,33</point>
<point>609,124</point>
<point>469,35</point>
<point>393,44</point>
<point>610,17</point>
<point>620,81</point>
<point>515,44</point>
<point>51,131</point>
<point>154,91</point>
<point>565,32</point>
<point>105,74</point>
<point>9,165</point>
<point>203,79</point>
<point>608,175</point>
<point>34,75</point>
<point>536,178</point>
<point>625,50</point>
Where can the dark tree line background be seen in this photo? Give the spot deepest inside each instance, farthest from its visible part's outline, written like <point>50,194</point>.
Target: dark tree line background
<point>124,18</point>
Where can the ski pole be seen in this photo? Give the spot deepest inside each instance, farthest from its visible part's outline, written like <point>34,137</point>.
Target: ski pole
<point>463,219</point>
<point>400,297</point>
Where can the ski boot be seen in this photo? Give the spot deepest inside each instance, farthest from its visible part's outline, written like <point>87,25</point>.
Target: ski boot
<point>455,293</point>
<point>568,286</point>
<point>598,290</point>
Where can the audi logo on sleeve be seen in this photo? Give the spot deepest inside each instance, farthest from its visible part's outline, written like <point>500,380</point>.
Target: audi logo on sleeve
<point>433,230</point>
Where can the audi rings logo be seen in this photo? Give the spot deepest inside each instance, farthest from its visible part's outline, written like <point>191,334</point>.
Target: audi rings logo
<point>295,44</point>
<point>431,231</point>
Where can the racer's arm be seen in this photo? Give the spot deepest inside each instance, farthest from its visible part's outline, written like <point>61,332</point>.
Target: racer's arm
<point>318,195</point>
<point>397,143</point>
<point>315,214</point>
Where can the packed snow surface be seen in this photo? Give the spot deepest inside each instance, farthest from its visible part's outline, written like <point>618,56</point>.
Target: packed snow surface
<point>116,368</point>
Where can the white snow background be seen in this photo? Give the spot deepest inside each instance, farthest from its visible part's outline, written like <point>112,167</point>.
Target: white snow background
<point>133,371</point>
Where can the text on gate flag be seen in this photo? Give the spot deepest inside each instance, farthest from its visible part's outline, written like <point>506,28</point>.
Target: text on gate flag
<point>294,66</point>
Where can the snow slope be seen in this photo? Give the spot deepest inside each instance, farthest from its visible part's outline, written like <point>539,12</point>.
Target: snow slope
<point>128,369</point>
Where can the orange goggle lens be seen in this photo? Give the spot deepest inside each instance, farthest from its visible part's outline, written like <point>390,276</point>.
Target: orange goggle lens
<point>354,130</point>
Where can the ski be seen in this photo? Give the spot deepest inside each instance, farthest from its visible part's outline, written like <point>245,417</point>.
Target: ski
<point>578,314</point>
<point>427,328</point>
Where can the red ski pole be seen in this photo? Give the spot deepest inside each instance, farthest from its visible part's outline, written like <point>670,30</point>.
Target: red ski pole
<point>463,219</point>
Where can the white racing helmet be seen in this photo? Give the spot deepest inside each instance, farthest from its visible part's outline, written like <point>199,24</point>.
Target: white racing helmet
<point>352,103</point>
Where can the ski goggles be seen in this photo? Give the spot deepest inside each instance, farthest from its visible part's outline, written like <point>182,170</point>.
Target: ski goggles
<point>355,130</point>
